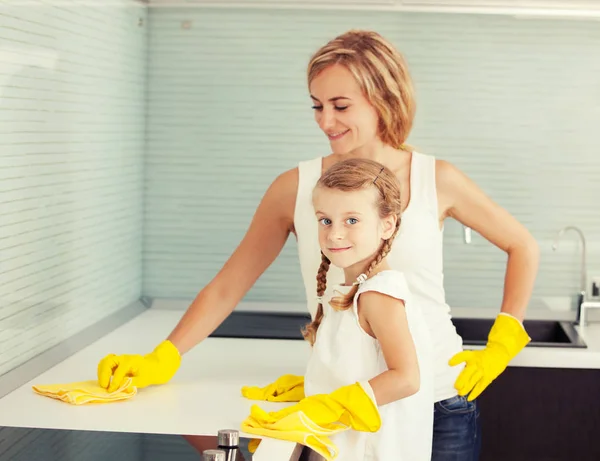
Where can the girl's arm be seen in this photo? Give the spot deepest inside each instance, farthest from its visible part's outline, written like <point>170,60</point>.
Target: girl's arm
<point>386,321</point>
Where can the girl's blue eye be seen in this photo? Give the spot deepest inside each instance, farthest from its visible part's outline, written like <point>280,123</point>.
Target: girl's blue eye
<point>325,221</point>
<point>352,220</point>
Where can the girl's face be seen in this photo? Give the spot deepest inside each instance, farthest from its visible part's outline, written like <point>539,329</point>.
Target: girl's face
<point>343,112</point>
<point>350,228</point>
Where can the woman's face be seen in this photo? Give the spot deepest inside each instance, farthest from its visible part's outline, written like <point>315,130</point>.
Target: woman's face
<point>343,112</point>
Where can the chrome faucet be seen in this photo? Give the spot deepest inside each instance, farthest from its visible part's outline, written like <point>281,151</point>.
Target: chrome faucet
<point>583,288</point>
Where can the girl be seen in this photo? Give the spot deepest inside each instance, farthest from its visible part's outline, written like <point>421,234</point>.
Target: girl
<point>371,367</point>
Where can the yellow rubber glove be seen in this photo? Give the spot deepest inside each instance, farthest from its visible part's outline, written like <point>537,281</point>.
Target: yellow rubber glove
<point>505,340</point>
<point>158,367</point>
<point>287,388</point>
<point>353,406</point>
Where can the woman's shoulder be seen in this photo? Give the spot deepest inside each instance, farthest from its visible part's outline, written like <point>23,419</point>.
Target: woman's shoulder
<point>279,200</point>
<point>300,179</point>
<point>450,183</point>
<point>448,178</point>
<point>285,184</point>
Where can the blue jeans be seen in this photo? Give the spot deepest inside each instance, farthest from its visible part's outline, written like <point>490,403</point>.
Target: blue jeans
<point>456,430</point>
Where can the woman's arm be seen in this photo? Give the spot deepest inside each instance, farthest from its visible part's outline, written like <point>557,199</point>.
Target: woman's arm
<point>264,240</point>
<point>462,199</point>
<point>386,320</point>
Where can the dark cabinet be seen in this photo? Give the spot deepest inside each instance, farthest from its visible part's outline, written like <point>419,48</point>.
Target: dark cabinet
<point>542,414</point>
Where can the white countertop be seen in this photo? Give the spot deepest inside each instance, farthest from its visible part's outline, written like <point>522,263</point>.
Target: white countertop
<point>204,396</point>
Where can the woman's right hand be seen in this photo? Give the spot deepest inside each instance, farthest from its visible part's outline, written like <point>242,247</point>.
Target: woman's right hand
<point>158,367</point>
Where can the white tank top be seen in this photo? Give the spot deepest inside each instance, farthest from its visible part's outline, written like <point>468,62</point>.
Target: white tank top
<point>344,354</point>
<point>416,252</point>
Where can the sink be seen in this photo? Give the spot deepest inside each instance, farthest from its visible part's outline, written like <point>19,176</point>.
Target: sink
<point>543,333</point>
<point>268,325</point>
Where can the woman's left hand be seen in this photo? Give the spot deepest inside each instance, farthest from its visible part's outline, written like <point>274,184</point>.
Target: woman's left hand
<point>506,339</point>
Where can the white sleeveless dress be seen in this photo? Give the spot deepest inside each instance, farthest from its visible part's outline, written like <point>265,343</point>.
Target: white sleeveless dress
<point>416,252</point>
<point>345,354</point>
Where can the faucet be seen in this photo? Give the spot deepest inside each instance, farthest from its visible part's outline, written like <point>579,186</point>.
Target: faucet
<point>583,288</point>
<point>584,307</point>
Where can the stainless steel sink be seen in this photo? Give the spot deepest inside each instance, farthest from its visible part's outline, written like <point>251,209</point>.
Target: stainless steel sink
<point>543,333</point>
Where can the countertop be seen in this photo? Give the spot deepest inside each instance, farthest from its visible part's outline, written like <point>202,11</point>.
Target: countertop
<point>204,396</point>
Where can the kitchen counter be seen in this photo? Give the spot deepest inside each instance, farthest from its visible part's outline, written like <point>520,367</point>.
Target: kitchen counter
<point>204,396</point>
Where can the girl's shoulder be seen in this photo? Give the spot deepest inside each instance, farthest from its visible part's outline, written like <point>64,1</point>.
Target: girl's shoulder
<point>389,282</point>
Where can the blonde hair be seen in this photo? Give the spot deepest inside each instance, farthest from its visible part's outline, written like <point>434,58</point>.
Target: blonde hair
<point>352,175</point>
<point>382,74</point>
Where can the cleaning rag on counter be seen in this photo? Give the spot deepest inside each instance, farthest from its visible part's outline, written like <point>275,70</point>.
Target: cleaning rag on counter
<point>84,392</point>
<point>295,427</point>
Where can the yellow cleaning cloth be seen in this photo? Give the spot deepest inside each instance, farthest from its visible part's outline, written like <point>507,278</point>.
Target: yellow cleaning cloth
<point>295,427</point>
<point>85,392</point>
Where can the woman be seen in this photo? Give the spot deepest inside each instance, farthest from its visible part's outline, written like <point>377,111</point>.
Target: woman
<point>364,103</point>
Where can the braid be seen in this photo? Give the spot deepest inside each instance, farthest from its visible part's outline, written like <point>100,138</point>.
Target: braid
<point>310,331</point>
<point>387,244</point>
<point>322,275</point>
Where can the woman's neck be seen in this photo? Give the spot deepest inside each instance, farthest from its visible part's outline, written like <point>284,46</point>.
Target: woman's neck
<point>379,152</point>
